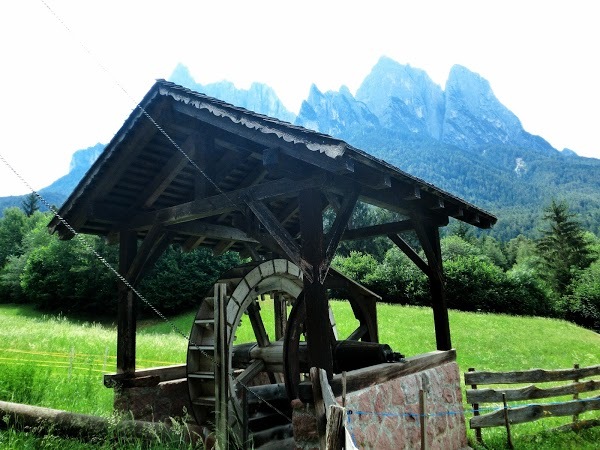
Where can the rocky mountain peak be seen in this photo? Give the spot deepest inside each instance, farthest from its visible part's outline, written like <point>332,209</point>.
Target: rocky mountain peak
<point>403,98</point>
<point>259,97</point>
<point>474,117</point>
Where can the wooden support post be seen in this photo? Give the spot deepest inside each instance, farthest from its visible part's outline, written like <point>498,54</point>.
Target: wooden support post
<point>507,423</point>
<point>127,307</point>
<point>475,406</point>
<point>318,328</point>
<point>429,236</point>
<point>221,367</point>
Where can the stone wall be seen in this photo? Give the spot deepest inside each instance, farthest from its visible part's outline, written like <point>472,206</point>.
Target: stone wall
<point>386,416</point>
<point>169,399</point>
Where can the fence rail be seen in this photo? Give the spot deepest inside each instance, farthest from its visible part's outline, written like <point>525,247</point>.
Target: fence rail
<point>531,412</point>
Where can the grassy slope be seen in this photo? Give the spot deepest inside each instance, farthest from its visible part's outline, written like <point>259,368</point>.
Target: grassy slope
<point>58,363</point>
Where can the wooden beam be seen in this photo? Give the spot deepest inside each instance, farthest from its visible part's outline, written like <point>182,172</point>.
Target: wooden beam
<point>428,234</point>
<point>377,230</point>
<point>221,203</point>
<point>167,174</point>
<point>337,230</point>
<point>212,231</point>
<point>318,328</point>
<point>280,234</point>
<point>411,253</point>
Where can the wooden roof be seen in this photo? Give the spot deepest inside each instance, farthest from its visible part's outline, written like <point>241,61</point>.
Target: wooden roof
<point>242,161</point>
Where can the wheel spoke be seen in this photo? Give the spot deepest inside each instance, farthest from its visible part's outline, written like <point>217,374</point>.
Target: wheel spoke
<point>262,338</point>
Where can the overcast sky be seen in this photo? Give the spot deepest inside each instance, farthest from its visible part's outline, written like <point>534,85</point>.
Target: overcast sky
<point>72,71</point>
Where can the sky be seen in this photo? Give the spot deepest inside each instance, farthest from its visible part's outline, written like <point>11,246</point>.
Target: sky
<point>72,71</point>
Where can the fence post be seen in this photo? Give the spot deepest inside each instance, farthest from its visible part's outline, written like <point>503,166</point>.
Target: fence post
<point>475,406</point>
<point>507,423</point>
<point>575,397</point>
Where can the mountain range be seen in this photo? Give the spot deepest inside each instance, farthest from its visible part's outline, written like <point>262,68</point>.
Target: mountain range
<point>460,138</point>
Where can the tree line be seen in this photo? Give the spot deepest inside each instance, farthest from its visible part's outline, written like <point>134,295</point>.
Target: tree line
<point>556,274</point>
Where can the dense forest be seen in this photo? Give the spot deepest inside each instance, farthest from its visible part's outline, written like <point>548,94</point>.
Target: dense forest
<point>556,274</point>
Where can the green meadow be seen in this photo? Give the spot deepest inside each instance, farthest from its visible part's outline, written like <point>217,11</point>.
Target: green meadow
<point>58,362</point>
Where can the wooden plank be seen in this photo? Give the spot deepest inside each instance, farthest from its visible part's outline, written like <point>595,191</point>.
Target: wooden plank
<point>335,431</point>
<point>166,373</point>
<point>529,392</point>
<point>370,376</point>
<point>530,413</point>
<point>530,376</point>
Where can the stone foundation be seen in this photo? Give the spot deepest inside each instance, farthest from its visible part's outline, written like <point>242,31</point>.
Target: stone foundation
<point>386,416</point>
<point>169,399</point>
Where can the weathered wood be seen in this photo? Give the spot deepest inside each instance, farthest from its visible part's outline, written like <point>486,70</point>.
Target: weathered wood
<point>476,412</point>
<point>530,376</point>
<point>370,376</point>
<point>318,328</point>
<point>279,233</point>
<point>320,407</point>
<point>83,426</point>
<point>335,431</point>
<point>531,413</point>
<point>250,372</point>
<point>166,373</point>
<point>529,392</point>
<point>126,307</point>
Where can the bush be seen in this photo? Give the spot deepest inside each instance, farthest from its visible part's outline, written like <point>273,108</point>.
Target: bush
<point>583,305</point>
<point>65,276</point>
<point>476,284</point>
<point>180,280</point>
<point>398,280</point>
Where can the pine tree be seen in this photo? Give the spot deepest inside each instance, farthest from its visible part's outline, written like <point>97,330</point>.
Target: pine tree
<point>30,204</point>
<point>562,246</point>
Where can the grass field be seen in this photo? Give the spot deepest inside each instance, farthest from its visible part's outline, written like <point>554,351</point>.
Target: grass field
<point>58,363</point>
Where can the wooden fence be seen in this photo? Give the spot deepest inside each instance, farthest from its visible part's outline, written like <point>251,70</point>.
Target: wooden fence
<point>507,416</point>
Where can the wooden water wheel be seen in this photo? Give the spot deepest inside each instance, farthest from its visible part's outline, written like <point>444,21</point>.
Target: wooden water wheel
<point>268,369</point>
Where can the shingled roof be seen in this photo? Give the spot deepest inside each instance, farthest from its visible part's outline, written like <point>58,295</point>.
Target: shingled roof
<point>144,177</point>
